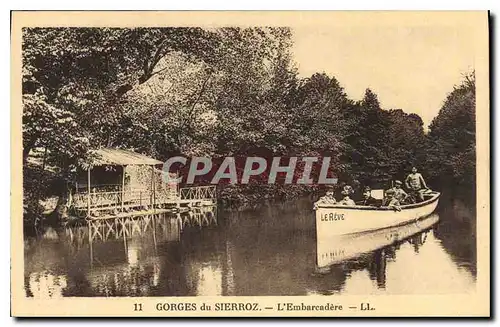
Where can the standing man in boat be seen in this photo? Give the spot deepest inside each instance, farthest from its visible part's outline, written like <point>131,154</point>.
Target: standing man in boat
<point>416,184</point>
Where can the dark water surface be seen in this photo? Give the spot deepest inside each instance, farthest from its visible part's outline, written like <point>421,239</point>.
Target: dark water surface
<point>270,250</point>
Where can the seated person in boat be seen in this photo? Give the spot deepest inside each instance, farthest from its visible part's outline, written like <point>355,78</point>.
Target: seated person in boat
<point>368,199</point>
<point>343,186</point>
<point>346,200</point>
<point>399,193</point>
<point>391,201</point>
<point>357,191</point>
<point>328,198</point>
<point>415,183</point>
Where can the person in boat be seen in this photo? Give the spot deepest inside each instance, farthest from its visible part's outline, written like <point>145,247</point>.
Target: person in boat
<point>343,186</point>
<point>416,185</point>
<point>399,193</point>
<point>328,198</point>
<point>368,199</point>
<point>357,190</point>
<point>348,189</point>
<point>346,200</point>
<point>338,190</point>
<point>391,201</point>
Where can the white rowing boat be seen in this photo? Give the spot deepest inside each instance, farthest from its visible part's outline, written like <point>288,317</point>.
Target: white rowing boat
<point>335,219</point>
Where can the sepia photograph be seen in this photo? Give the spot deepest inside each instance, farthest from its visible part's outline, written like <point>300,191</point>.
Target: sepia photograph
<point>193,164</point>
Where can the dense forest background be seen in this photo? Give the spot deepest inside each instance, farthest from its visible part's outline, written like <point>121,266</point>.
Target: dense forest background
<point>220,92</point>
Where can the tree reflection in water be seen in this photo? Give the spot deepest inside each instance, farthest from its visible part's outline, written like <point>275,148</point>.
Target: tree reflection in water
<point>268,250</point>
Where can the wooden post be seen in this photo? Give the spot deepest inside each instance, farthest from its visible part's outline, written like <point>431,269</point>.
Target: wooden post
<point>90,244</point>
<point>124,228</point>
<point>153,222</point>
<point>154,186</point>
<point>88,192</point>
<point>151,187</point>
<point>177,186</point>
<point>123,184</point>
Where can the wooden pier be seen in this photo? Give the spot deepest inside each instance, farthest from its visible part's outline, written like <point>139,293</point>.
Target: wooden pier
<point>95,199</point>
<point>111,205</point>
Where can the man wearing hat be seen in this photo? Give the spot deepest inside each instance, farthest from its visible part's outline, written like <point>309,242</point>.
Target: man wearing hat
<point>328,198</point>
<point>368,199</point>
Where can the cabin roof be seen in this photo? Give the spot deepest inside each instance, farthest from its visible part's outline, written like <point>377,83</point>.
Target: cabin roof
<point>121,157</point>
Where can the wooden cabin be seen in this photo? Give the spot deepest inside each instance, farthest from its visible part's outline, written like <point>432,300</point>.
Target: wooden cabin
<point>120,181</point>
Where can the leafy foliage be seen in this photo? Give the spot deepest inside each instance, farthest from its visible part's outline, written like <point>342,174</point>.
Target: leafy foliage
<point>452,137</point>
<point>221,92</point>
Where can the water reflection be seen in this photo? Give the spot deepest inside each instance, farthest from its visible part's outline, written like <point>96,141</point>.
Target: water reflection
<point>45,284</point>
<point>336,249</point>
<point>270,250</point>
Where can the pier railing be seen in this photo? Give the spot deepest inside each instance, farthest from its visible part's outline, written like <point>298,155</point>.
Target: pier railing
<point>199,193</point>
<point>99,204</point>
<point>129,197</point>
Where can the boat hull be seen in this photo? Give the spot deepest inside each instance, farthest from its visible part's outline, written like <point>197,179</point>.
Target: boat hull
<point>335,220</point>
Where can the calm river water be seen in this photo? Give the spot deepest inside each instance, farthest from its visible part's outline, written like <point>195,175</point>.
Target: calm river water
<point>269,250</point>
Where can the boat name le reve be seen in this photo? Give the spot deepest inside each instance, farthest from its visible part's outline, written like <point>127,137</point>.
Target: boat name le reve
<point>332,216</point>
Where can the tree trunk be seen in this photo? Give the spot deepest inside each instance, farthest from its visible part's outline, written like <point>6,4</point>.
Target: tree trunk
<point>60,213</point>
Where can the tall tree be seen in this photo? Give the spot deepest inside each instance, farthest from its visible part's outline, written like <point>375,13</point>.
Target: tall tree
<point>368,139</point>
<point>405,143</point>
<point>452,137</point>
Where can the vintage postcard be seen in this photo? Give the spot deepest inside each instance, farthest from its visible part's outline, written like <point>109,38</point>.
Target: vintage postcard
<point>250,164</point>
